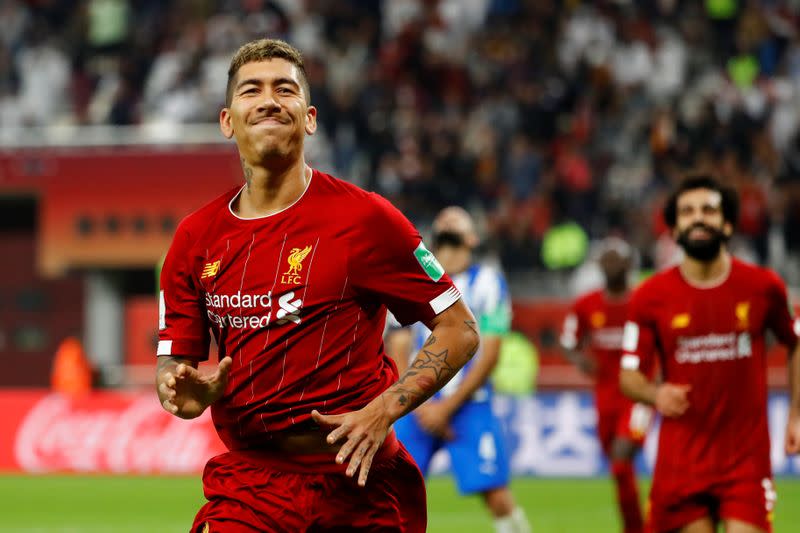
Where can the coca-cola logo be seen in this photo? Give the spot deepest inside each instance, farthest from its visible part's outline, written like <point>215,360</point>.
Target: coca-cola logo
<point>136,437</point>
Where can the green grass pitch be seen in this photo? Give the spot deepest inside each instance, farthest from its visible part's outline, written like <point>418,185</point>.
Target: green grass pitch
<point>73,504</point>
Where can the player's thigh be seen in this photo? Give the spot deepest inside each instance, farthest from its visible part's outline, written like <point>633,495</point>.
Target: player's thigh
<point>478,454</point>
<point>737,526</point>
<point>674,505</point>
<point>701,525</point>
<point>243,497</point>
<point>393,500</point>
<point>747,505</point>
<point>420,444</point>
<point>606,429</point>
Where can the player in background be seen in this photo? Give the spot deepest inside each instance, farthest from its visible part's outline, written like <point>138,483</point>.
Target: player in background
<point>705,321</point>
<point>459,417</point>
<point>594,324</point>
<point>292,273</point>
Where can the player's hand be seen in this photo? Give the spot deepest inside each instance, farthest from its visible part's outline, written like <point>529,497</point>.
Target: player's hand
<point>793,433</point>
<point>672,400</point>
<point>434,417</point>
<point>187,392</point>
<point>364,432</point>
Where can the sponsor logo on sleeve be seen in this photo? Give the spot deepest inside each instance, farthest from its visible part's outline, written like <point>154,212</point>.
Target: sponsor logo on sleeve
<point>210,270</point>
<point>292,276</point>
<point>428,262</point>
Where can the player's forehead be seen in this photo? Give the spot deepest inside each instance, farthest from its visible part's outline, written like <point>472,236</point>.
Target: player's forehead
<point>268,71</point>
<point>696,198</point>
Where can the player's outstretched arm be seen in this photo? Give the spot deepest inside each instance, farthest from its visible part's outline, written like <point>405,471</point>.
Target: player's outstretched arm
<point>453,341</point>
<point>669,399</point>
<point>793,425</point>
<point>183,391</point>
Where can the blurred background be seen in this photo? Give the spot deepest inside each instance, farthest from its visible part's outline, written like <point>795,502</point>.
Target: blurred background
<point>555,123</point>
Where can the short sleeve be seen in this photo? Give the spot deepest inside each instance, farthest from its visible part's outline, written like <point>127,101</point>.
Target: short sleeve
<point>639,336</point>
<point>573,328</point>
<point>183,329</point>
<point>780,316</point>
<point>389,261</point>
<point>494,317</point>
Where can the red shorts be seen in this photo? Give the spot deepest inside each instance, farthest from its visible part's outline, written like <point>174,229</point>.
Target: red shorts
<point>249,492</point>
<point>750,501</point>
<point>630,422</point>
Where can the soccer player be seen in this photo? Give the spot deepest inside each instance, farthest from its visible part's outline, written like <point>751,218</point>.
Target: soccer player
<point>705,321</point>
<point>292,274</point>
<point>459,417</point>
<point>596,321</point>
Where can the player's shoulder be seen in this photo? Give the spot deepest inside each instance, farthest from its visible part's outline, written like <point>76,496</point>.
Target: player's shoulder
<point>589,298</point>
<point>489,278</point>
<point>661,283</point>
<point>753,274</point>
<point>487,272</point>
<point>351,200</point>
<point>198,222</point>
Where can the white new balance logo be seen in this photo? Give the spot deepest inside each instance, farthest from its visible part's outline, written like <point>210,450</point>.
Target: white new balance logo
<point>289,308</point>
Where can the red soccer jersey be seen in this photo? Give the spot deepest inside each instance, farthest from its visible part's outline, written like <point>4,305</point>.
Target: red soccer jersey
<point>600,319</point>
<point>298,300</point>
<point>713,339</point>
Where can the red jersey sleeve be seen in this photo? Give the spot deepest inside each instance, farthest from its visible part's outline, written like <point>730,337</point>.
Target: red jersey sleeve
<point>780,317</point>
<point>574,326</point>
<point>639,335</point>
<point>183,328</point>
<point>390,261</point>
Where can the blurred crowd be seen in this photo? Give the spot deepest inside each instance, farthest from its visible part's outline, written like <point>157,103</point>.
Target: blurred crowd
<point>556,122</point>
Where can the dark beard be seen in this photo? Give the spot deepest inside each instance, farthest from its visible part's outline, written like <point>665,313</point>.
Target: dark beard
<point>704,250</point>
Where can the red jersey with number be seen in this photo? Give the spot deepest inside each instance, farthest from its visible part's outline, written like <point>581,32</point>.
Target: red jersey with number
<point>713,339</point>
<point>597,321</point>
<point>298,299</point>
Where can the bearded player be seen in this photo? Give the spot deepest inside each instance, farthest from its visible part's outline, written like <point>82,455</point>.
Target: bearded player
<point>292,273</point>
<point>595,324</point>
<point>705,321</point>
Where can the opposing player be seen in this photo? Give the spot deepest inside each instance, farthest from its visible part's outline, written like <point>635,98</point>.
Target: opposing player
<point>705,321</point>
<point>292,274</point>
<point>595,323</point>
<point>459,417</point>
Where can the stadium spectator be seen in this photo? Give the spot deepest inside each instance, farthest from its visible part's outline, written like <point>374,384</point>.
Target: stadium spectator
<point>459,417</point>
<point>293,273</point>
<point>705,322</point>
<point>594,107</point>
<point>595,323</point>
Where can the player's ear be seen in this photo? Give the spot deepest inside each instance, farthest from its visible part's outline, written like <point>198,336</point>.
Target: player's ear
<point>727,229</point>
<point>225,124</point>
<point>311,120</point>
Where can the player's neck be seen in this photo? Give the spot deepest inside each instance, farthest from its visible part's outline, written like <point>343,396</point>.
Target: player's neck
<point>454,261</point>
<point>706,274</point>
<point>616,293</point>
<point>269,190</point>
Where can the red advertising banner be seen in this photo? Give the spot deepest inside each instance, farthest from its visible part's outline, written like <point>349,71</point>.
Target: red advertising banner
<point>105,432</point>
